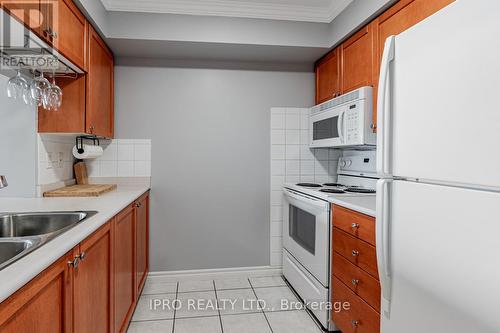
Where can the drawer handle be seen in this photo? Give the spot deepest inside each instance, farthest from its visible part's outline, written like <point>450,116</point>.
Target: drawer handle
<point>355,253</point>
<point>355,323</point>
<point>355,282</point>
<point>355,226</point>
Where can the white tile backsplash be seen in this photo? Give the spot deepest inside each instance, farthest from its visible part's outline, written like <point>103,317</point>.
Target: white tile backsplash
<point>292,161</point>
<point>292,121</point>
<point>125,168</point>
<point>122,158</point>
<point>125,152</point>
<point>292,152</point>
<point>55,159</point>
<point>292,137</point>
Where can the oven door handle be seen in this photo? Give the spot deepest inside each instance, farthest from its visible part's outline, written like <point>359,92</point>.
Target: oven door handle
<point>307,199</point>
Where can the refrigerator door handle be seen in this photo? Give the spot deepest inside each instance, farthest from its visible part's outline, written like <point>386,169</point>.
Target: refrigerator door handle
<point>382,242</point>
<point>384,110</point>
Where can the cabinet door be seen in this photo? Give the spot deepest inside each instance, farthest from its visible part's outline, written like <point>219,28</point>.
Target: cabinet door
<point>42,305</point>
<point>92,283</point>
<point>403,15</point>
<point>100,88</point>
<point>124,262</point>
<point>328,77</point>
<point>70,118</point>
<point>142,235</point>
<point>26,11</point>
<point>67,31</point>
<point>357,58</point>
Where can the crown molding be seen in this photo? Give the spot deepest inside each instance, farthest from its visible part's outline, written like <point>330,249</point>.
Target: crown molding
<point>228,8</point>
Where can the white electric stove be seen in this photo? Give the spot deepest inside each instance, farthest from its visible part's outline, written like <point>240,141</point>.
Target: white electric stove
<point>306,229</point>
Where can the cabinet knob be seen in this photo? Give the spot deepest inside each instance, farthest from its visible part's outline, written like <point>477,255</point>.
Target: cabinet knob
<point>138,204</point>
<point>355,253</point>
<point>91,128</point>
<point>355,282</point>
<point>355,225</point>
<point>83,255</point>
<point>74,263</point>
<point>355,323</point>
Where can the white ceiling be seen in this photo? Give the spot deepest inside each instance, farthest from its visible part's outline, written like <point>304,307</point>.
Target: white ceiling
<point>321,11</point>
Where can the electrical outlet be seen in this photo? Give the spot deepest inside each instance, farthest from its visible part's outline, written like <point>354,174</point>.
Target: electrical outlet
<point>49,156</point>
<point>60,159</point>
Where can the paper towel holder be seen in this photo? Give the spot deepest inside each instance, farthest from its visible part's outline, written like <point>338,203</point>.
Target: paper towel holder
<point>79,141</point>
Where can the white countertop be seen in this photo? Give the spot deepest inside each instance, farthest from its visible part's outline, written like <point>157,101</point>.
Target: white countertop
<point>363,203</point>
<point>108,205</point>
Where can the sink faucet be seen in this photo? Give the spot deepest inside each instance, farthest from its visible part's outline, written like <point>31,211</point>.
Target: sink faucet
<point>3,182</point>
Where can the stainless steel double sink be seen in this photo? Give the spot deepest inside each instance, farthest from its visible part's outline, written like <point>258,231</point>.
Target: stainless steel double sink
<point>21,233</point>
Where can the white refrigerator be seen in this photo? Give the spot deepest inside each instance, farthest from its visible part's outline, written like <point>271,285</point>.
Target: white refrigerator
<point>438,199</point>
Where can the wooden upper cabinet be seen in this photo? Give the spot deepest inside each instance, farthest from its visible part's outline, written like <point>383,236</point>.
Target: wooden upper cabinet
<point>65,27</point>
<point>328,77</point>
<point>357,60</point>
<point>100,87</point>
<point>141,239</point>
<point>26,11</point>
<point>124,265</point>
<point>93,283</point>
<point>70,118</point>
<point>42,305</point>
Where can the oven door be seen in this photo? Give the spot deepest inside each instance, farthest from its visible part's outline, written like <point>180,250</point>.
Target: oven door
<point>306,232</point>
<point>328,128</point>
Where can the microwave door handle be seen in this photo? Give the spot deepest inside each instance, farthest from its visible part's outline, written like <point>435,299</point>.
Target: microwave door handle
<point>382,243</point>
<point>341,126</point>
<point>384,110</point>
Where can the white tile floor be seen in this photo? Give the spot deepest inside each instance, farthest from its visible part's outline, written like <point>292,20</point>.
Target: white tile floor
<point>219,306</point>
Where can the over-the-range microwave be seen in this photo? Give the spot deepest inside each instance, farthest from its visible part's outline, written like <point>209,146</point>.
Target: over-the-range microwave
<point>345,121</point>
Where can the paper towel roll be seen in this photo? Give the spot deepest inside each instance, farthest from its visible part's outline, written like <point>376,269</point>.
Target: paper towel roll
<point>89,151</point>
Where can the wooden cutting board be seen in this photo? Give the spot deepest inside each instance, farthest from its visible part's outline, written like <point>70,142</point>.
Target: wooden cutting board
<point>90,190</point>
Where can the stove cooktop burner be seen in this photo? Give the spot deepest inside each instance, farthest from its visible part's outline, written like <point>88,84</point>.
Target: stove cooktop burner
<point>308,185</point>
<point>331,190</point>
<point>359,190</point>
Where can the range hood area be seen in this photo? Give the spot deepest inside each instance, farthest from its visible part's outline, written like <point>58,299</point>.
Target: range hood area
<point>21,48</point>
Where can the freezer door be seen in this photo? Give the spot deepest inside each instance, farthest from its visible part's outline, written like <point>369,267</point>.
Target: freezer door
<point>439,98</point>
<point>442,259</point>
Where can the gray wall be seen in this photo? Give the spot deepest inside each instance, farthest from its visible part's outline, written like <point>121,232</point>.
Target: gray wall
<point>17,144</point>
<point>210,131</point>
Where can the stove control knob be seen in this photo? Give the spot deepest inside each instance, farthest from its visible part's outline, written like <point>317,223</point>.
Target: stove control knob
<point>349,163</point>
<point>343,163</point>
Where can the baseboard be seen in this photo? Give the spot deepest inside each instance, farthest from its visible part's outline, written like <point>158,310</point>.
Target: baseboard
<point>204,274</point>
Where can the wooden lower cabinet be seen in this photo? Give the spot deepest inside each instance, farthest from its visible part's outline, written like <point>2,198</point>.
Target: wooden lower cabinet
<point>354,272</point>
<point>44,304</point>
<point>92,288</point>
<point>93,283</point>
<point>142,240</point>
<point>359,318</point>
<point>356,251</point>
<point>124,264</point>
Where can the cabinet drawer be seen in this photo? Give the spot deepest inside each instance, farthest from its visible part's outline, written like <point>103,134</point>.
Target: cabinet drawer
<point>359,252</point>
<point>360,318</point>
<point>360,282</point>
<point>354,223</point>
